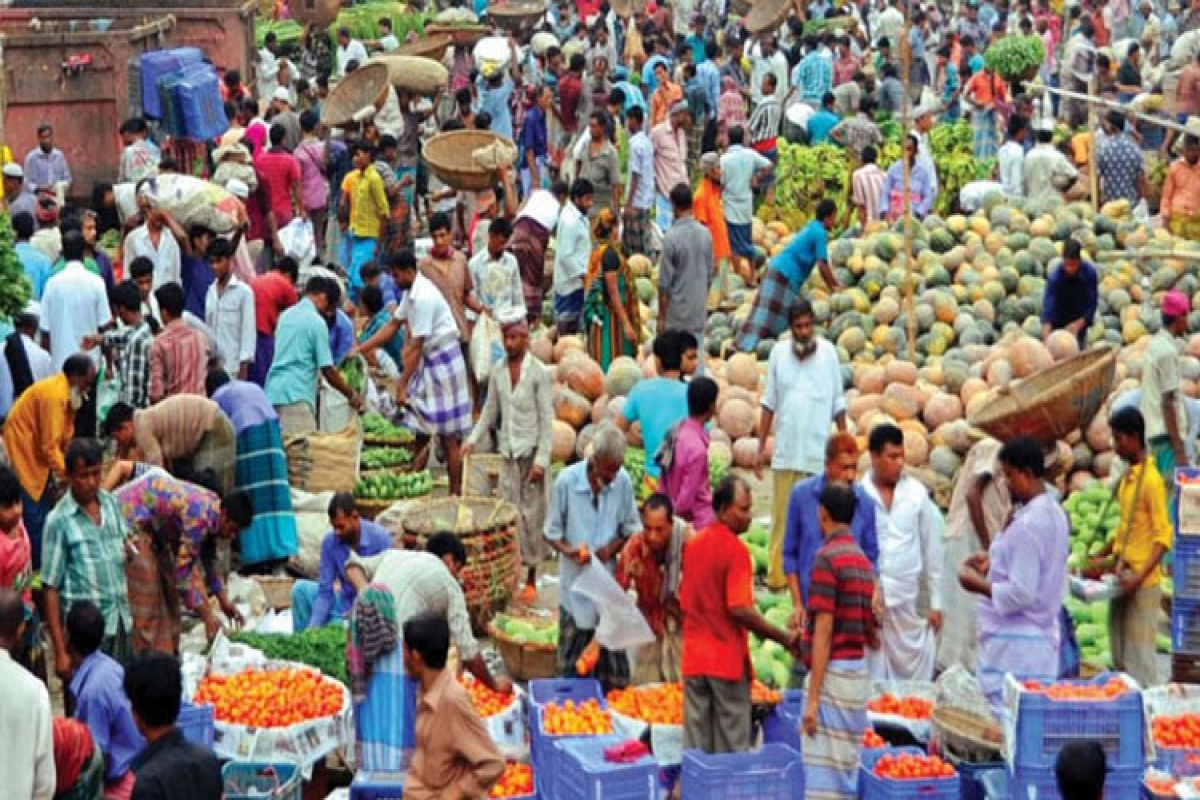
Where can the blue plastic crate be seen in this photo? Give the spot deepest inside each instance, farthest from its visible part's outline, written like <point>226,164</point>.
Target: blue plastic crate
<point>560,690</point>
<point>171,99</point>
<point>377,786</point>
<point>544,755</point>
<point>198,102</point>
<point>783,725</point>
<point>773,773</point>
<point>1044,725</point>
<point>971,779</point>
<point>1185,626</point>
<point>583,774</point>
<point>1186,568</point>
<point>157,63</point>
<point>1040,784</point>
<point>1182,762</point>
<point>197,725</point>
<point>873,787</point>
<point>249,780</point>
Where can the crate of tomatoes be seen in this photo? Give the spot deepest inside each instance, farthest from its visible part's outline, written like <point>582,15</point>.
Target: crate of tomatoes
<point>515,784</point>
<point>502,714</point>
<point>1174,712</point>
<point>901,773</point>
<point>552,722</point>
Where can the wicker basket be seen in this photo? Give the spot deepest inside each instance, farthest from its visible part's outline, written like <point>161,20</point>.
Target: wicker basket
<point>1051,404</point>
<point>967,735</point>
<point>319,13</point>
<point>416,74</point>
<point>626,8</point>
<point>449,156</point>
<point>519,17</point>
<point>364,87</point>
<point>461,35</point>
<point>370,509</point>
<point>740,8</point>
<point>765,15</point>
<point>525,661</point>
<point>277,589</point>
<point>427,46</point>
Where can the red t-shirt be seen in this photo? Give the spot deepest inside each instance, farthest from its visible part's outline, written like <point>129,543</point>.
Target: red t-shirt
<point>570,90</point>
<point>277,172</point>
<point>273,294</point>
<point>718,577</point>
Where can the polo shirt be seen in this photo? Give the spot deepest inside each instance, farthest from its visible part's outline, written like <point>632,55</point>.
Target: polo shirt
<point>301,352</point>
<point>843,584</point>
<point>368,202</point>
<point>718,577</point>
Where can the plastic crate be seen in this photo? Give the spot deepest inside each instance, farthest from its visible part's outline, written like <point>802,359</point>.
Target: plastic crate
<point>1044,725</point>
<point>559,690</point>
<point>773,773</point>
<point>1040,784</point>
<point>377,786</point>
<point>154,65</point>
<point>971,779</point>
<point>1181,762</point>
<point>583,774</point>
<point>169,97</point>
<point>544,755</point>
<point>1186,568</point>
<point>197,725</point>
<point>783,724</point>
<point>198,101</point>
<point>1185,626</point>
<point>248,780</point>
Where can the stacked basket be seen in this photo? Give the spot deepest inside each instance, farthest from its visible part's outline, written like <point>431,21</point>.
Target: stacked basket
<point>1185,604</point>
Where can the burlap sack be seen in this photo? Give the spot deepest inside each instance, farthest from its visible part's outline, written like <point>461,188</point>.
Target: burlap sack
<point>325,462</point>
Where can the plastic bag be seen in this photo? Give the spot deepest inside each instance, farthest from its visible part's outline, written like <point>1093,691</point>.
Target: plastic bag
<point>622,626</point>
<point>299,242</point>
<point>486,347</point>
<point>194,201</point>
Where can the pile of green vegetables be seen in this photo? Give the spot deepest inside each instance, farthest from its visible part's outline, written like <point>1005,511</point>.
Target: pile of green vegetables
<point>394,485</point>
<point>953,150</point>
<point>289,34</point>
<point>635,466</point>
<point>363,21</point>
<point>374,458</point>
<point>321,648</point>
<point>378,427</point>
<point>15,289</point>
<point>353,373</point>
<point>1014,58</point>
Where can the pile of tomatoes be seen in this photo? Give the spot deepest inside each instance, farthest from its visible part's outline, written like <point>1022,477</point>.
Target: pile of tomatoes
<point>272,698</point>
<point>487,702</point>
<point>657,704</point>
<point>517,781</point>
<point>906,707</point>
<point>1177,730</point>
<point>872,740</point>
<point>909,767</point>
<point>1109,690</point>
<point>760,694</point>
<point>575,719</point>
<point>1161,786</point>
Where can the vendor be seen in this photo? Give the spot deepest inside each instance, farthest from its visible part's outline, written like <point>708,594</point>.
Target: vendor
<point>315,603</point>
<point>1071,295</point>
<point>173,562</point>
<point>1021,580</point>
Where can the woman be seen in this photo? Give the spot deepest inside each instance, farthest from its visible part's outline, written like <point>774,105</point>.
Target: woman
<point>314,188</point>
<point>16,568</point>
<point>921,189</point>
<point>610,308</point>
<point>987,94</point>
<point>78,762</point>
<point>598,163</point>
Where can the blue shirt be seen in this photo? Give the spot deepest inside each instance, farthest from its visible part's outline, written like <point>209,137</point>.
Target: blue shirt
<point>1067,299</point>
<point>710,78</point>
<point>495,102</point>
<point>659,404</point>
<point>819,126</point>
<point>798,258</point>
<point>36,266</point>
<point>245,404</point>
<point>802,537</point>
<point>301,351</point>
<point>197,275</point>
<point>699,56</point>
<point>648,79</point>
<point>633,96</point>
<point>533,135</point>
<point>100,703</point>
<point>372,540</point>
<point>813,76</point>
<point>341,336</point>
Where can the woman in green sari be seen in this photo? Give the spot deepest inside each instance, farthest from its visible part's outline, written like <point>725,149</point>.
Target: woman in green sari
<point>610,308</point>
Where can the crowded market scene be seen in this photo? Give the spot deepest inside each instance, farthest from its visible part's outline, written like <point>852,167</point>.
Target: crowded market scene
<point>600,400</point>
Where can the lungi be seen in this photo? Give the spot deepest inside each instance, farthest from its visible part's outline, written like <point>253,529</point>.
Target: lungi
<point>768,316</point>
<point>359,250</point>
<point>741,239</point>
<point>659,661</point>
<point>568,312</point>
<point>1132,625</point>
<point>958,641</point>
<point>716,715</point>
<point>831,755</point>
<point>385,723</point>
<point>635,235</point>
<point>157,621</point>
<point>783,480</point>
<point>439,397</point>
<point>262,473</point>
<point>218,451</point>
<point>531,501</point>
<point>296,419</point>
<point>986,141</point>
<point>1027,653</point>
<point>528,245</point>
<point>908,649</point>
<point>612,670</point>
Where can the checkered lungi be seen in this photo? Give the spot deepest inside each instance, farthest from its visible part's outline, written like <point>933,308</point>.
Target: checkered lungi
<point>986,139</point>
<point>635,235</point>
<point>262,472</point>
<point>768,316</point>
<point>439,400</point>
<point>528,245</point>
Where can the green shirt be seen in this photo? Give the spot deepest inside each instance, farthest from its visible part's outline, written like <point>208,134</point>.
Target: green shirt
<point>86,561</point>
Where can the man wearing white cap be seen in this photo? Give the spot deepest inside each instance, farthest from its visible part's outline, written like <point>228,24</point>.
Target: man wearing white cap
<point>16,198</point>
<point>286,116</point>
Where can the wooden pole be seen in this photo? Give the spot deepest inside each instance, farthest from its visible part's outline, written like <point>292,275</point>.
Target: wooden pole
<point>1093,150</point>
<point>1112,104</point>
<point>910,283</point>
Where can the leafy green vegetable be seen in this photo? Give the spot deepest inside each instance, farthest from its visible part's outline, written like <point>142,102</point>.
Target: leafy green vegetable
<point>385,458</point>
<point>322,648</point>
<point>15,289</point>
<point>394,485</point>
<point>1013,57</point>
<point>352,371</point>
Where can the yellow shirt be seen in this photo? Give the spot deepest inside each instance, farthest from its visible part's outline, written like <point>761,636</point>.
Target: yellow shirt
<point>368,202</point>
<point>1150,523</point>
<point>39,427</point>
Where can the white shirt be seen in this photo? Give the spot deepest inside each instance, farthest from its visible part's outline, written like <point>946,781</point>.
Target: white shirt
<point>267,73</point>
<point>1012,169</point>
<point>641,163</point>
<point>890,26</point>
<point>760,66</point>
<point>542,208</point>
<point>74,305</point>
<point>165,256</point>
<point>354,51</point>
<point>910,541</point>
<point>498,284</point>
<point>26,740</point>
<point>1043,164</point>
<point>573,248</point>
<point>805,397</point>
<point>738,167</point>
<point>427,313</point>
<point>1160,375</point>
<point>230,316</point>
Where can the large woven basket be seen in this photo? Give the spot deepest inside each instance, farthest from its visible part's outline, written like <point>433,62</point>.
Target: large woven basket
<point>364,87</point>
<point>740,7</point>
<point>1051,404</point>
<point>319,13</point>
<point>461,35</point>
<point>966,735</point>
<point>277,589</point>
<point>370,509</point>
<point>489,530</point>
<point>525,661</point>
<point>518,17</point>
<point>449,156</point>
<point>766,15</point>
<point>427,46</point>
<point>417,74</point>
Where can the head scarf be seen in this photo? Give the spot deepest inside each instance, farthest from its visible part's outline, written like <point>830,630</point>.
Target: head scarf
<point>373,634</point>
<point>73,748</point>
<point>602,226</point>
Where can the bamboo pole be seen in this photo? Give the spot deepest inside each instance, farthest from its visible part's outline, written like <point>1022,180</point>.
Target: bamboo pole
<point>910,283</point>
<point>1093,150</point>
<point>1114,105</point>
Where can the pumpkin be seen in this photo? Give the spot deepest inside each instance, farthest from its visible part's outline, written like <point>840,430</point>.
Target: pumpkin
<point>859,406</point>
<point>600,409</point>
<point>571,407</point>
<point>583,441</point>
<point>901,372</point>
<point>745,452</point>
<point>737,418</point>
<point>563,441</point>
<point>582,375</point>
<point>901,401</point>
<point>1062,345</point>
<point>972,388</point>
<point>1028,356</point>
<point>916,448</point>
<point>942,408</point>
<point>566,344</point>
<point>623,373</point>
<point>742,370</point>
<point>871,379</point>
<point>542,349</point>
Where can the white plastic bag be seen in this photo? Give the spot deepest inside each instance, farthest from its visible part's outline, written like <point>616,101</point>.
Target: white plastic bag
<point>486,347</point>
<point>621,626</point>
<point>299,242</point>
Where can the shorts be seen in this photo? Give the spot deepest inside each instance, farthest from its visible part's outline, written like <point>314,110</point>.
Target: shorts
<point>741,239</point>
<point>767,179</point>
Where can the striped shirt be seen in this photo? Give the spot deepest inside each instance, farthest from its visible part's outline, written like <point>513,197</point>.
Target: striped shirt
<point>866,187</point>
<point>132,345</point>
<point>178,361</point>
<point>764,124</point>
<point>843,584</point>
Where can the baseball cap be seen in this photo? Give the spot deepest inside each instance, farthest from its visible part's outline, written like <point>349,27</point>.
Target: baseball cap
<point>281,93</point>
<point>13,171</point>
<point>1175,304</point>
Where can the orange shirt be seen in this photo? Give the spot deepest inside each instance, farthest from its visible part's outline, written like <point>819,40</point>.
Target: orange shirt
<point>665,96</point>
<point>985,88</point>
<point>706,205</point>
<point>717,577</point>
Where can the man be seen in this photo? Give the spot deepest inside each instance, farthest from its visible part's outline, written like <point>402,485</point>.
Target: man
<point>24,362</point>
<point>266,68</point>
<point>708,210</point>
<point>669,139</point>
<point>36,434</point>
<point>803,396</point>
<point>741,168</point>
<point>274,293</point>
<point>26,746</point>
<point>447,270</point>
<point>139,159</point>
<point>536,220</point>
<point>1047,170</point>
<point>74,304</point>
<point>1076,69</point>
<point>98,692</point>
<point>454,752</point>
<point>85,548</point>
<point>866,186</point>
<point>286,117</point>
<point>813,76</point>
<point>1080,770</point>
<point>365,211</point>
<point>840,626</point>
<point>890,25</point>
<point>1119,163</point>
<point>170,767</point>
<point>534,142</point>
<point>16,198</point>
<point>651,565</point>
<point>908,527</point>
<point>348,50</point>
<point>570,98</point>
<point>593,515</point>
<point>278,174</point>
<point>717,598</point>
<point>684,464</point>
<point>1071,296</point>
<point>33,261</point>
<point>658,403</point>
<point>46,166</point>
<point>179,354</point>
<point>129,346</point>
<point>1011,157</point>
<point>639,198</point>
<point>495,275</point>
<point>181,433</point>
<point>433,385</point>
<point>519,411</point>
<point>571,256</point>
<point>154,240</point>
<point>1162,396</point>
<point>1180,205</point>
<point>767,59</point>
<point>763,129</point>
<point>685,270</point>
<point>822,123</point>
<point>314,603</point>
<point>229,313</point>
<point>302,355</point>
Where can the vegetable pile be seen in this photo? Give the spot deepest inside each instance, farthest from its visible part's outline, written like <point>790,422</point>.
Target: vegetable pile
<point>15,289</point>
<point>909,767</point>
<point>322,648</point>
<point>906,707</point>
<point>374,458</point>
<point>272,698</point>
<point>1014,57</point>
<point>771,661</point>
<point>487,703</point>
<point>517,781</point>
<point>394,485</point>
<point>352,372</point>
<point>1065,690</point>
<point>1176,731</point>
<point>656,704</point>
<point>588,718</point>
<point>378,428</point>
<point>527,630</point>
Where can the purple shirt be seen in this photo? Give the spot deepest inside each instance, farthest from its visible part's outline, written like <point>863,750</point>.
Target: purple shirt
<point>245,404</point>
<point>314,189</point>
<point>1028,570</point>
<point>101,704</point>
<point>372,540</point>
<point>686,483</point>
